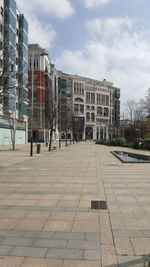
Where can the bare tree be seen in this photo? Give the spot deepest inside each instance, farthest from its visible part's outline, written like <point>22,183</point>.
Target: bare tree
<point>130,108</point>
<point>146,103</point>
<point>66,120</point>
<point>51,111</point>
<point>78,127</point>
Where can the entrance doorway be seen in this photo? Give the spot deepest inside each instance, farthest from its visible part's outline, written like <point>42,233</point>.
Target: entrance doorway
<point>89,133</point>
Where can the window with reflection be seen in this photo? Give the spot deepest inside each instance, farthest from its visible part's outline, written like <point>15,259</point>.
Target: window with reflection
<point>99,111</point>
<point>106,111</point>
<point>92,117</point>
<point>88,116</point>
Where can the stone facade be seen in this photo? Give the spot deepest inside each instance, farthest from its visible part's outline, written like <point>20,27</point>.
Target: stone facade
<point>95,107</point>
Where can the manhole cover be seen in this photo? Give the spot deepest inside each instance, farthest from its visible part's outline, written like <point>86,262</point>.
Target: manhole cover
<point>98,205</point>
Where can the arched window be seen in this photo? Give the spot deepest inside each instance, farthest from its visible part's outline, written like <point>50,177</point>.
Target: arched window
<point>78,99</point>
<point>99,111</point>
<point>87,116</point>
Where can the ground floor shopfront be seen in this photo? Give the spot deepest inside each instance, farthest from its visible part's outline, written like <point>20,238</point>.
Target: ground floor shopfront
<point>13,130</point>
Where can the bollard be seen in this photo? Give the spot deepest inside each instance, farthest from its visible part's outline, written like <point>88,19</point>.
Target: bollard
<point>38,148</point>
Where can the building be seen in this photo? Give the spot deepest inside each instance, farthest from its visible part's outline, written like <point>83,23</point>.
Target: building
<point>14,74</point>
<point>42,80</point>
<point>95,106</point>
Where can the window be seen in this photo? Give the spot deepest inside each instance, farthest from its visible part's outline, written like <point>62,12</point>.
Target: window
<point>92,98</point>
<point>75,88</point>
<point>92,117</point>
<point>99,111</point>
<point>87,97</point>
<point>78,99</point>
<point>103,99</point>
<point>82,109</point>
<point>105,112</point>
<point>76,108</point>
<point>107,100</point>
<point>88,107</point>
<point>87,116</point>
<point>12,67</point>
<point>98,98</point>
<point>92,108</point>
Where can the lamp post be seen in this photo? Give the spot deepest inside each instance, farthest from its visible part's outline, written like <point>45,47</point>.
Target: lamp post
<point>123,124</point>
<point>60,119</point>
<point>32,88</point>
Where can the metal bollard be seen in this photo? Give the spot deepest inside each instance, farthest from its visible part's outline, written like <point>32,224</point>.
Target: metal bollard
<point>38,148</point>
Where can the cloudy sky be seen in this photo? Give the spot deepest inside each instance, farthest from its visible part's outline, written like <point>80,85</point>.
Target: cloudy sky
<point>95,38</point>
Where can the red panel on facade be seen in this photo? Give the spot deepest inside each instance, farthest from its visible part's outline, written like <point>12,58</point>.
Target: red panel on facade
<point>41,95</point>
<point>39,84</point>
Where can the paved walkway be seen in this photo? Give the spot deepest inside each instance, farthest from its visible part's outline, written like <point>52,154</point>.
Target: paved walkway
<point>45,208</point>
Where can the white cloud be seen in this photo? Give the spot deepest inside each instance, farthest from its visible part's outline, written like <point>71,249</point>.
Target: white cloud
<point>39,32</point>
<point>43,34</point>
<point>108,28</point>
<point>115,51</point>
<point>57,8</point>
<point>95,3</point>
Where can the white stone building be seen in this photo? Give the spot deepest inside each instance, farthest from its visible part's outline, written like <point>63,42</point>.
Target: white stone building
<point>95,107</point>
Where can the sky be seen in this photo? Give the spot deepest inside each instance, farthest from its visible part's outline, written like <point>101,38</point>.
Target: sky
<point>100,39</point>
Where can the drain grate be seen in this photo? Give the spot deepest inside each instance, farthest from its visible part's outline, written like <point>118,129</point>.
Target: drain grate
<point>98,205</point>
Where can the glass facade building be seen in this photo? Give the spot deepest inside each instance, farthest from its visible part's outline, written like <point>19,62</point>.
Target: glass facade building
<point>15,60</point>
<point>23,65</point>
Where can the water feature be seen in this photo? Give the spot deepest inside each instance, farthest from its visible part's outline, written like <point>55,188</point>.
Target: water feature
<point>127,157</point>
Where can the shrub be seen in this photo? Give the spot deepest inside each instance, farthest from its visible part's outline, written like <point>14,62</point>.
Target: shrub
<point>118,141</point>
<point>99,142</point>
<point>147,136</point>
<point>114,142</point>
<point>146,144</point>
<point>138,143</point>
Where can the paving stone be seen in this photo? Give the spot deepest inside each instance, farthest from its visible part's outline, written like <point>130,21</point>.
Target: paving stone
<point>38,234</point>
<point>65,235</point>
<point>92,236</point>
<point>28,252</point>
<point>92,254</point>
<point>17,241</point>
<point>15,233</point>
<point>45,243</point>
<point>81,263</point>
<point>34,262</point>
<point>11,261</point>
<point>126,261</point>
<point>128,233</point>
<point>79,209</point>
<point>84,244</point>
<point>72,254</point>
<point>141,246</point>
<point>5,250</point>
<point>146,233</point>
<point>123,246</point>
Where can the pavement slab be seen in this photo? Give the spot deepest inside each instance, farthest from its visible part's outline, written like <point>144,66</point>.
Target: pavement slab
<point>45,208</point>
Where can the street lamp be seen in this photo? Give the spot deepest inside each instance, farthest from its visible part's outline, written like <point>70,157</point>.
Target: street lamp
<point>60,119</point>
<point>32,88</point>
